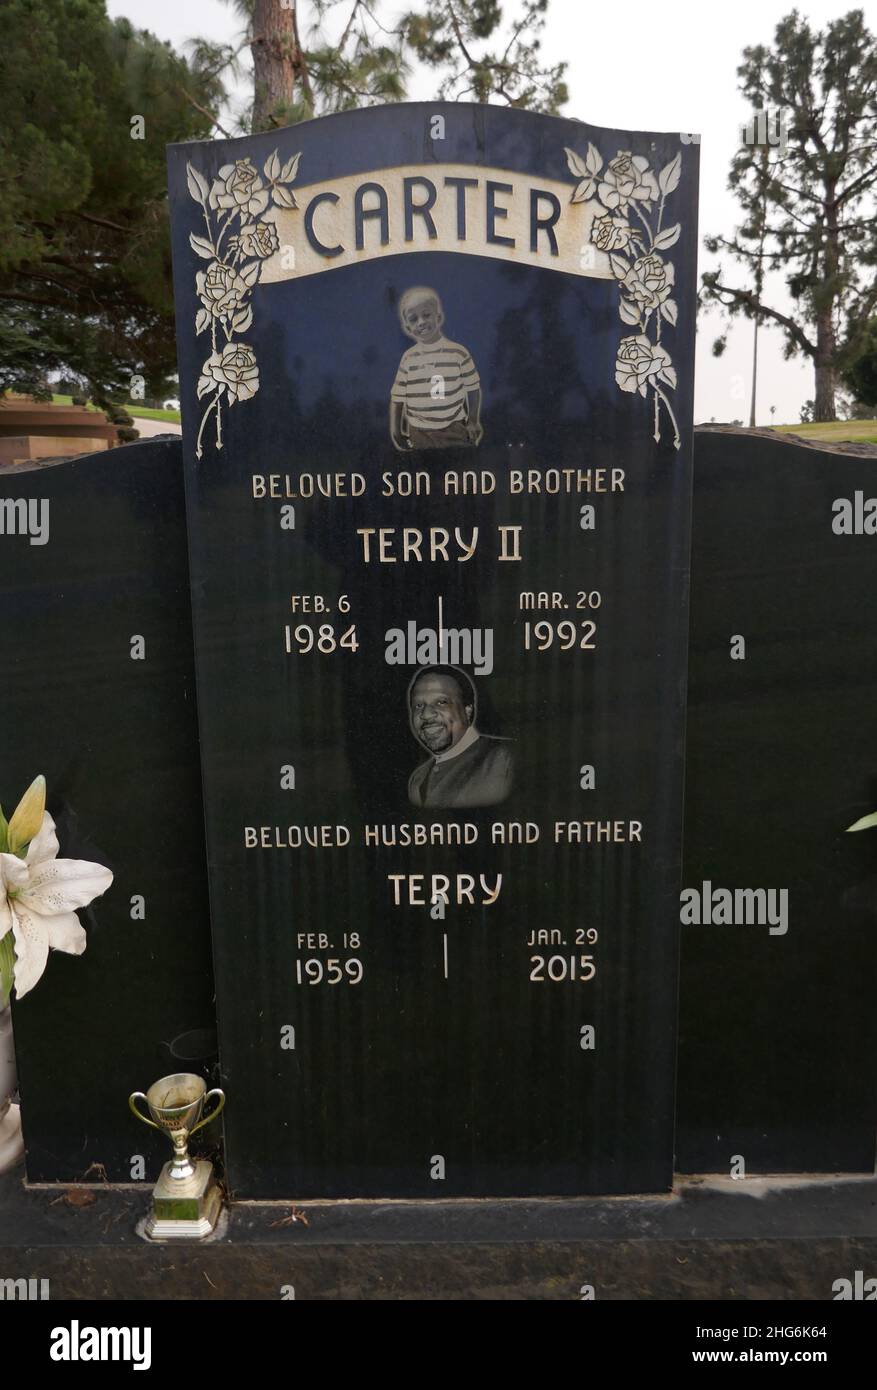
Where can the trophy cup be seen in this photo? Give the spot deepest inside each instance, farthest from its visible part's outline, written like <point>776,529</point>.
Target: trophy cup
<point>186,1200</point>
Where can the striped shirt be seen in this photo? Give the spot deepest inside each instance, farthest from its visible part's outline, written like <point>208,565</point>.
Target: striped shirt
<point>432,382</point>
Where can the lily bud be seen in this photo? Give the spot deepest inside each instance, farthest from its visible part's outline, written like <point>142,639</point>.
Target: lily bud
<point>27,817</point>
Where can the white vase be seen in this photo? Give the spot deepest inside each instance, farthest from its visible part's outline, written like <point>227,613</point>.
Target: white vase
<point>11,1142</point>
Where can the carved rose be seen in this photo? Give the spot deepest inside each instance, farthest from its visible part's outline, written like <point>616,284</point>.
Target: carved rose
<point>235,368</point>
<point>640,362</point>
<point>610,233</point>
<point>221,289</point>
<point>632,199</point>
<point>256,239</point>
<point>627,177</point>
<point>649,281</point>
<point>238,185</point>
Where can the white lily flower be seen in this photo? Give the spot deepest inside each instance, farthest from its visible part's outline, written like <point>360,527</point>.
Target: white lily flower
<point>39,896</point>
<point>27,816</point>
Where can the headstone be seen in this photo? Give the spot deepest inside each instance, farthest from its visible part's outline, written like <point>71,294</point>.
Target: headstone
<point>98,695</point>
<point>436,370</point>
<point>777,1025</point>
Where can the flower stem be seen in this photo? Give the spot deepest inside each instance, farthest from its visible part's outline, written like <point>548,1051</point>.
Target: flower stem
<point>215,402</point>
<point>677,442</point>
<point>7,968</point>
<point>221,230</point>
<point>209,229</point>
<point>645,224</point>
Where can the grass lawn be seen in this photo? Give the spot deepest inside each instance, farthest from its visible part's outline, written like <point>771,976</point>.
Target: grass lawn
<point>838,432</point>
<point>143,412</point>
<point>133,408</point>
<point>68,400</point>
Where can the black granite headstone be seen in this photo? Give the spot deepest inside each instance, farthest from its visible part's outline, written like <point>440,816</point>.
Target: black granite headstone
<point>98,695</point>
<point>436,369</point>
<point>778,1029</point>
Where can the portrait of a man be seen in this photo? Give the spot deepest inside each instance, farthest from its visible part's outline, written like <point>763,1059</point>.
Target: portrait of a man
<point>464,767</point>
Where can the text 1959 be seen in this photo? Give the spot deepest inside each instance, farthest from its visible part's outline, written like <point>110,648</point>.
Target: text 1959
<point>330,972</point>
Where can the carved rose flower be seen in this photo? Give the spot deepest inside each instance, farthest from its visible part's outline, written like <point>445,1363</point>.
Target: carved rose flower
<point>649,281</point>
<point>640,362</point>
<point>239,186</point>
<point>610,233</point>
<point>221,289</point>
<point>256,239</point>
<point>627,177</point>
<point>235,368</point>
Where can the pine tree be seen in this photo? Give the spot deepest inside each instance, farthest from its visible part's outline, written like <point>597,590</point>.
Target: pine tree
<point>860,375</point>
<point>809,206</point>
<point>478,50</point>
<point>88,108</point>
<point>85,265</point>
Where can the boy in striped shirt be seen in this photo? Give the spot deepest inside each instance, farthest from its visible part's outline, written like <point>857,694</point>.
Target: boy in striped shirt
<point>435,402</point>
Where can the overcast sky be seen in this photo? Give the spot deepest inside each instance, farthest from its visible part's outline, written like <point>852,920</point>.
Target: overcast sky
<point>642,66</point>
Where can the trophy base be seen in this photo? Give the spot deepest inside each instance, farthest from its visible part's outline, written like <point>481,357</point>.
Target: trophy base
<point>184,1209</point>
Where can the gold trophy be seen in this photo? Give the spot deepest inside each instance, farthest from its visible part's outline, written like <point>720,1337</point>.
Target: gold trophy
<point>186,1200</point>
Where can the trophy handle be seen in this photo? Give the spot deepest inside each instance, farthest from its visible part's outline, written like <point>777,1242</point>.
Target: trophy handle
<point>205,1119</point>
<point>132,1099</point>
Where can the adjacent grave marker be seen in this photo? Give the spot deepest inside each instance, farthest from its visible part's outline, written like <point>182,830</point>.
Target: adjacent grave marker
<point>777,1021</point>
<point>99,697</point>
<point>437,400</point>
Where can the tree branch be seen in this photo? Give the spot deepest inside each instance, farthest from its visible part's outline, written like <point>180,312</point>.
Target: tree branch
<point>863,306</point>
<point>16,297</point>
<point>745,299</point>
<point>392,33</point>
<point>300,63</point>
<point>516,34</point>
<point>103,222</point>
<point>853,188</point>
<point>455,25</point>
<point>348,26</point>
<point>798,192</point>
<point>204,111</point>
